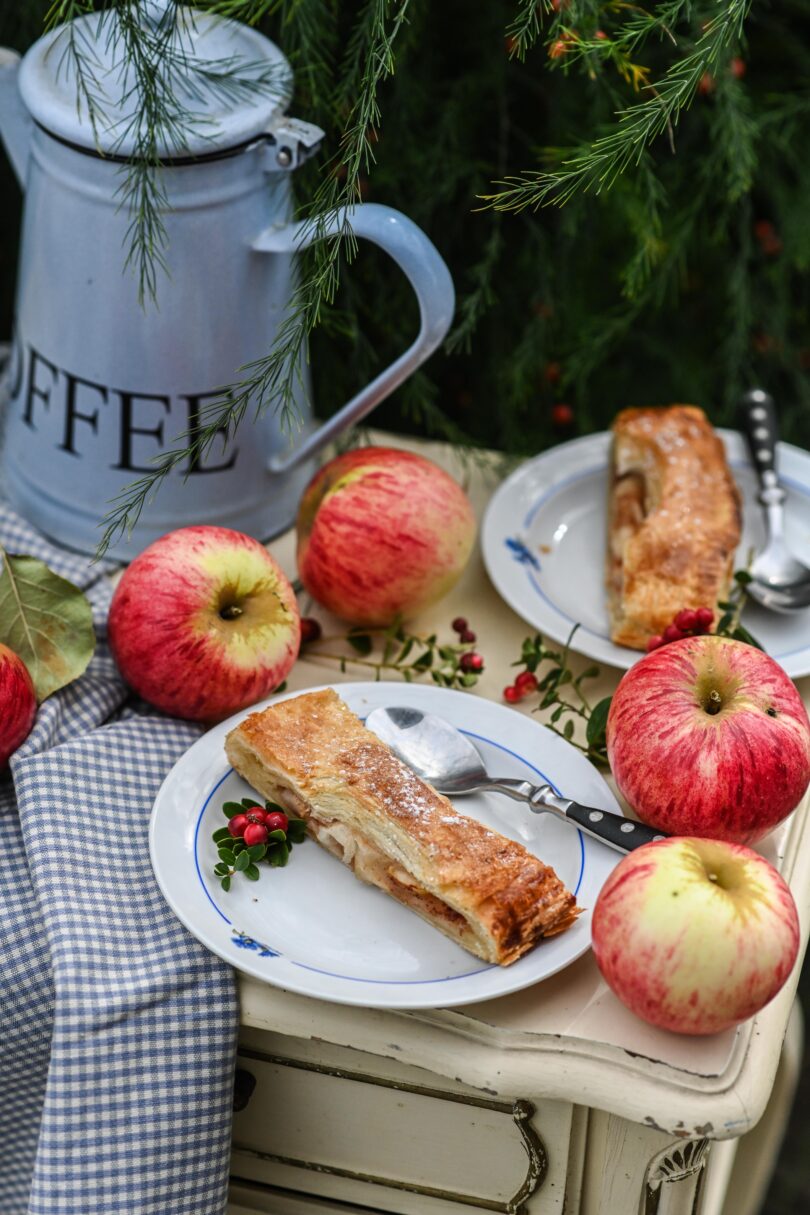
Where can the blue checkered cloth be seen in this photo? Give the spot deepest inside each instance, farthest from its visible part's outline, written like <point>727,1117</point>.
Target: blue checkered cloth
<point>117,1028</point>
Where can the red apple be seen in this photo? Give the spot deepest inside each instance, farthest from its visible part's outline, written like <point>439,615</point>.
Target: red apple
<point>18,703</point>
<point>708,736</point>
<point>382,534</point>
<point>695,935</point>
<point>204,622</point>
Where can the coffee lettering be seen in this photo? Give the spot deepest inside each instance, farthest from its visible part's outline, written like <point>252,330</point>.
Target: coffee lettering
<point>128,429</point>
<point>44,394</point>
<point>195,464</point>
<point>72,415</point>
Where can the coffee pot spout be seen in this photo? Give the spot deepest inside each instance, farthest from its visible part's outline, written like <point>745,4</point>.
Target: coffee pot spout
<point>16,125</point>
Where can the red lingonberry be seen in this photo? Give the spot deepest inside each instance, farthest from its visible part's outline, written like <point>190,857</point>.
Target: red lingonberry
<point>672,633</point>
<point>471,663</point>
<point>255,833</point>
<point>737,67</point>
<point>468,637</point>
<point>256,815</point>
<point>276,821</point>
<point>705,617</point>
<point>459,625</point>
<point>310,629</point>
<point>562,414</point>
<point>706,84</point>
<point>236,825</point>
<point>654,643</point>
<point>526,681</point>
<point>601,35</point>
<point>513,694</point>
<point>686,620</point>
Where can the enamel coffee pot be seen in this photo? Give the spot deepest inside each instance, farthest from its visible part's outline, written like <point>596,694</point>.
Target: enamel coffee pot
<point>99,385</point>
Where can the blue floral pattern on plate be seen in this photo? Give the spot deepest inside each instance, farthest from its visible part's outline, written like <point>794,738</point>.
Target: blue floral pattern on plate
<point>245,942</point>
<point>521,552</point>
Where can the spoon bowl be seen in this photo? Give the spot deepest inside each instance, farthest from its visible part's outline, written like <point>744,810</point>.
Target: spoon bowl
<point>439,753</point>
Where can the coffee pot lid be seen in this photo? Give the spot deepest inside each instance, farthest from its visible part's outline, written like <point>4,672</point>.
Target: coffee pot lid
<point>223,83</point>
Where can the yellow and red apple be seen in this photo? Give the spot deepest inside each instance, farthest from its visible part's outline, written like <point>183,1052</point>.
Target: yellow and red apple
<point>709,737</point>
<point>382,534</point>
<point>18,703</point>
<point>203,623</point>
<point>695,935</point>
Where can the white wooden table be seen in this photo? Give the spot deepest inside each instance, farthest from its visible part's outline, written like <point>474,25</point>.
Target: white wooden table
<point>552,1100</point>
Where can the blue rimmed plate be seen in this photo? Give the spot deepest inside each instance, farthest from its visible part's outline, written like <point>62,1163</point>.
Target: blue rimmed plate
<point>313,928</point>
<point>545,531</point>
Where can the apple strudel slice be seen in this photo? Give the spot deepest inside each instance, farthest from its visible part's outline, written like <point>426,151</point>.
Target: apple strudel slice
<point>674,520</point>
<point>313,756</point>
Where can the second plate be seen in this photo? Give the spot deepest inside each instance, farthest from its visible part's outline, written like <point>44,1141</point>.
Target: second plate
<point>544,537</point>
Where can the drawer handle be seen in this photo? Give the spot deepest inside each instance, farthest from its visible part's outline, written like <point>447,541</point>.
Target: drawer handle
<point>244,1082</point>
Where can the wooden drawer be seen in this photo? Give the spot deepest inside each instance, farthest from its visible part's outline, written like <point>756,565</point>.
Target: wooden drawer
<point>357,1128</point>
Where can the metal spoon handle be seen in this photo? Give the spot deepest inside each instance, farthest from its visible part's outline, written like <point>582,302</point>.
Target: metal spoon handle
<point>761,429</point>
<point>623,834</point>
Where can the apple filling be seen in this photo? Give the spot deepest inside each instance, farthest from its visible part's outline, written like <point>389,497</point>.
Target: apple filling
<point>628,510</point>
<point>373,866</point>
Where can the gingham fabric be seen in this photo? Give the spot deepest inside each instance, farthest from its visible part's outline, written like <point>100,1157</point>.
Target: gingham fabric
<point>117,1028</point>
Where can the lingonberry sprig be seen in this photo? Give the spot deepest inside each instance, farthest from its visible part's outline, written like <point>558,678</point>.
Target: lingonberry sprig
<point>561,711</point>
<point>693,623</point>
<point>448,664</point>
<point>254,834</point>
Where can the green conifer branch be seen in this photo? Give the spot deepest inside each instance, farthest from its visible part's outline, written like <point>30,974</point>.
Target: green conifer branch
<point>276,379</point>
<point>596,166</point>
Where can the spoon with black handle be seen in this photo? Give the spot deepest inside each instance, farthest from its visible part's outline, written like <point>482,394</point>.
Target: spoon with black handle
<point>779,580</point>
<point>443,756</point>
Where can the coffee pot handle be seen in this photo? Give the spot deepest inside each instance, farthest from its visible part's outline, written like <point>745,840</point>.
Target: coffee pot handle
<point>427,273</point>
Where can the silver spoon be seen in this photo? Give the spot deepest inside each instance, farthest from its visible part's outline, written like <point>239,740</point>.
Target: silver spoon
<point>442,755</point>
<point>780,581</point>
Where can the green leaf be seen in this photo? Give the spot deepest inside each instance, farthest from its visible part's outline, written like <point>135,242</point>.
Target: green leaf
<point>252,872</point>
<point>282,687</point>
<point>273,808</point>
<point>568,731</point>
<point>242,862</point>
<point>558,712</point>
<point>226,855</point>
<point>588,673</point>
<point>248,803</point>
<point>226,882</point>
<point>221,869</point>
<point>423,662</point>
<point>361,643</point>
<point>742,577</point>
<point>47,621</point>
<point>223,834</point>
<point>277,836</point>
<point>595,730</point>
<point>742,634</point>
<point>469,680</point>
<point>231,808</point>
<point>237,846</point>
<point>279,856</point>
<point>405,651</point>
<point>256,852</point>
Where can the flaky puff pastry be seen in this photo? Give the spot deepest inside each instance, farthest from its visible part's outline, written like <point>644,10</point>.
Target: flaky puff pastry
<point>674,520</point>
<point>316,758</point>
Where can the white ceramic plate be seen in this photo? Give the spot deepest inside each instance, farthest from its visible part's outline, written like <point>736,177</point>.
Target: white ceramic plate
<point>544,536</point>
<point>313,928</point>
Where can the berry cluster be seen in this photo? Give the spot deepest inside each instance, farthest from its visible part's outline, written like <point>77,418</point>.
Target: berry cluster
<point>525,683</point>
<point>690,622</point>
<point>254,833</point>
<point>470,663</point>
